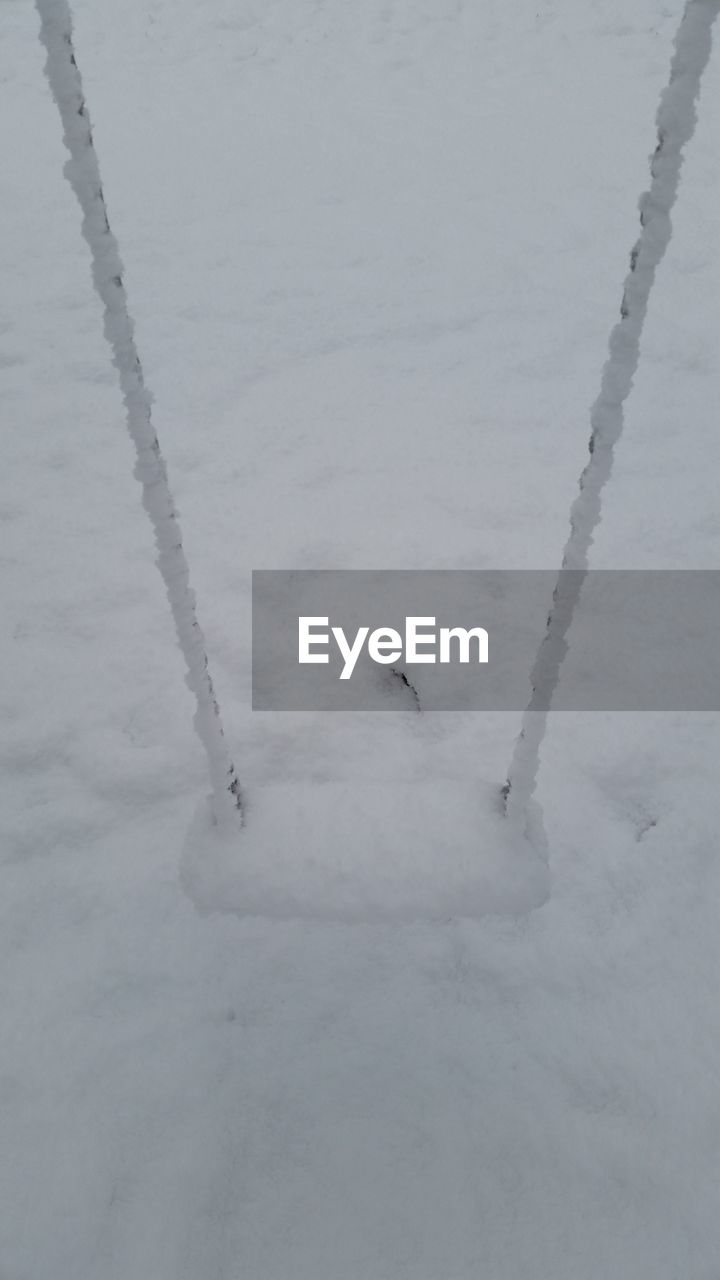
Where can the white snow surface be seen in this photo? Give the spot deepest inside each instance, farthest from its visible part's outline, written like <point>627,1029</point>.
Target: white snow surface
<point>373,254</point>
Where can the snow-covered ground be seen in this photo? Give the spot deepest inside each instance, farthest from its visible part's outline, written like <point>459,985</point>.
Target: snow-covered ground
<point>374,253</point>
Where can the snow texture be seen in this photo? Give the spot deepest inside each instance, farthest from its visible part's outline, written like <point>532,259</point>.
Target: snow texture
<point>373,253</point>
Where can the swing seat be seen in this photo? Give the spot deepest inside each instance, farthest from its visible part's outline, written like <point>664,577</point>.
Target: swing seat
<point>374,853</point>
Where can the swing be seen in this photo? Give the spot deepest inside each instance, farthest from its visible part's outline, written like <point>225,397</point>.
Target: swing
<point>429,851</point>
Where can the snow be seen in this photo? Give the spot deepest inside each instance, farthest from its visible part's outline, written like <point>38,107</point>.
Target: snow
<point>373,256</point>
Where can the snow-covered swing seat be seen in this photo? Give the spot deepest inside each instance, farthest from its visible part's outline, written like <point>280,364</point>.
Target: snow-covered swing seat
<point>340,851</point>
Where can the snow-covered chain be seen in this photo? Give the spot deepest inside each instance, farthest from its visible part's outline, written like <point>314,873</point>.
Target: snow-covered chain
<point>676,120</point>
<point>83,174</point>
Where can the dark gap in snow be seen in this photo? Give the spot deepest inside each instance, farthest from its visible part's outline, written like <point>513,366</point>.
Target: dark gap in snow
<point>397,674</point>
